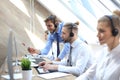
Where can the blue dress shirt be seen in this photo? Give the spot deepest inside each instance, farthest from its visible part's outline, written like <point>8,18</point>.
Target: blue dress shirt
<point>53,37</point>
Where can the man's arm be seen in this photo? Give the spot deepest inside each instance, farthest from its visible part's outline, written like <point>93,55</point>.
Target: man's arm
<point>80,61</point>
<point>65,50</point>
<point>46,50</point>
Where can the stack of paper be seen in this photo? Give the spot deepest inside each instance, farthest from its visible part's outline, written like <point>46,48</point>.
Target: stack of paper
<point>16,76</point>
<point>53,75</point>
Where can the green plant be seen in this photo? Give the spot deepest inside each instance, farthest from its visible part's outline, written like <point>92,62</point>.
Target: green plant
<point>25,64</point>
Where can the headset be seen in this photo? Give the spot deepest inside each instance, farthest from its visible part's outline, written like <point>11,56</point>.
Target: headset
<point>114,30</point>
<point>71,33</point>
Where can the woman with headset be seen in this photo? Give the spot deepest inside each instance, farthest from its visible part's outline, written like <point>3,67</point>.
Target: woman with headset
<point>108,67</point>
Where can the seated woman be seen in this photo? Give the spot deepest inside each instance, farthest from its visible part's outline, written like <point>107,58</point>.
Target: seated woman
<point>108,68</point>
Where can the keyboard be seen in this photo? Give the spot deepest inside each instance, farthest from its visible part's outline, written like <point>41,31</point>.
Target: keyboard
<point>41,71</point>
<point>37,60</point>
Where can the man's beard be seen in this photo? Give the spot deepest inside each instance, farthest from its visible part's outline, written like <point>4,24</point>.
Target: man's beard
<point>68,40</point>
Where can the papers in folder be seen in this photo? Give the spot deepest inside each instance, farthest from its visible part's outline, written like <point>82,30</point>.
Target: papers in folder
<point>53,75</point>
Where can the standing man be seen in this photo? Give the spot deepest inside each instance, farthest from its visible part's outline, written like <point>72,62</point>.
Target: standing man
<point>78,59</point>
<point>54,25</point>
<point>53,51</point>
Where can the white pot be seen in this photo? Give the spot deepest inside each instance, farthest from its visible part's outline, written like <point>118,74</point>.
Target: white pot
<point>27,74</point>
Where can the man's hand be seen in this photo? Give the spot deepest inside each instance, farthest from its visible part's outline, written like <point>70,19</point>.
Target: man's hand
<point>57,59</point>
<point>41,64</point>
<point>32,50</point>
<point>50,67</point>
<point>47,66</point>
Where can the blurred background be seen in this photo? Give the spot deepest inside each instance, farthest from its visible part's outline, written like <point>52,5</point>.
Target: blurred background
<point>26,19</point>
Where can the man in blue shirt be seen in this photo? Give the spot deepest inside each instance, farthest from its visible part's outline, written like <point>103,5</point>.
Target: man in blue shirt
<point>54,25</point>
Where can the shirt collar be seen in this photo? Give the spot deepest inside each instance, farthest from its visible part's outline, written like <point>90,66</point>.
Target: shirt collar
<point>115,51</point>
<point>76,42</point>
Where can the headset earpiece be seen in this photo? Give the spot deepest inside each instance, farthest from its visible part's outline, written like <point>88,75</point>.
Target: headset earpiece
<point>114,30</point>
<point>71,33</point>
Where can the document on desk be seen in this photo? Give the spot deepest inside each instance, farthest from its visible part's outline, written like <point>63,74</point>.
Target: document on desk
<point>16,76</point>
<point>53,75</point>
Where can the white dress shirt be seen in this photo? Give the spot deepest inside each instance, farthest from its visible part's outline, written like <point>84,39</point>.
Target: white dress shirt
<point>81,59</point>
<point>108,67</point>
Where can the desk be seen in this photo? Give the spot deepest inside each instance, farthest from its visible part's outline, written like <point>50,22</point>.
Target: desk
<point>69,77</point>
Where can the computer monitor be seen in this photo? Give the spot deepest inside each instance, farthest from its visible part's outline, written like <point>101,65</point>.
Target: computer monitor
<point>9,55</point>
<point>9,62</point>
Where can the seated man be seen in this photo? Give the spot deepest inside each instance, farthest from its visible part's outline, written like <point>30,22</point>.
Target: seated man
<point>79,58</point>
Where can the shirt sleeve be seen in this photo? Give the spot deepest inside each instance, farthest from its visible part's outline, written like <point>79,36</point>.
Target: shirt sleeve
<point>81,62</point>
<point>89,74</point>
<point>64,51</point>
<point>46,50</point>
<point>62,62</point>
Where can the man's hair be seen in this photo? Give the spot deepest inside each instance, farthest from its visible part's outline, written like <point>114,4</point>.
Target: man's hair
<point>73,26</point>
<point>53,19</point>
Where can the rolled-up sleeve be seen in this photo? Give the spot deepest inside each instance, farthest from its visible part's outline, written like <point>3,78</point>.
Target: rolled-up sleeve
<point>65,50</point>
<point>46,50</point>
<point>81,63</point>
<point>81,57</point>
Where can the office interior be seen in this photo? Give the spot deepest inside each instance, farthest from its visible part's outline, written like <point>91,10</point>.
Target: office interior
<point>26,19</point>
